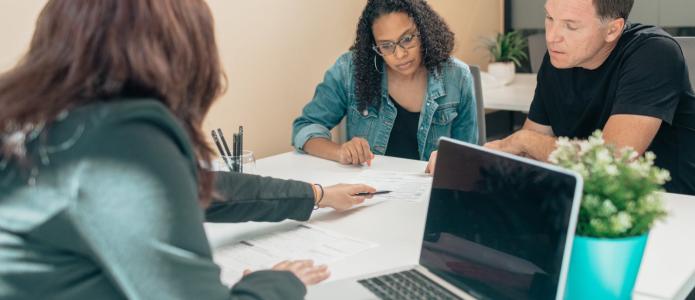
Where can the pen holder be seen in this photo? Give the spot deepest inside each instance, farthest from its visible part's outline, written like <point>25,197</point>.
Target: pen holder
<point>244,163</point>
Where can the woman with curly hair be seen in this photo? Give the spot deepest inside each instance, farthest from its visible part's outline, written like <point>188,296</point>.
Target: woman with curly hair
<point>398,87</point>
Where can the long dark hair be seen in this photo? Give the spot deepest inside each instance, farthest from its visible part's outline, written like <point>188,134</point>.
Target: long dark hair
<point>436,39</point>
<point>85,51</point>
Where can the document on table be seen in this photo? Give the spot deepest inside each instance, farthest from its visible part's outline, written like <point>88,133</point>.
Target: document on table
<point>406,186</point>
<point>299,242</point>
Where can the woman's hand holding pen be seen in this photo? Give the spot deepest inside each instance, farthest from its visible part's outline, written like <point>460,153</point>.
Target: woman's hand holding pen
<point>343,196</point>
<point>355,152</point>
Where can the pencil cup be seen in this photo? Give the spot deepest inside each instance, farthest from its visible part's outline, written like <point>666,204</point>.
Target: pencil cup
<point>244,163</point>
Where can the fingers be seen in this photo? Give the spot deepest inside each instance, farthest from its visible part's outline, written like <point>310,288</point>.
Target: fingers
<point>359,199</point>
<point>494,145</point>
<point>300,264</point>
<point>368,155</point>
<point>281,265</point>
<point>430,168</point>
<point>431,163</point>
<point>359,149</point>
<point>247,272</point>
<point>304,270</point>
<point>315,275</point>
<point>356,152</point>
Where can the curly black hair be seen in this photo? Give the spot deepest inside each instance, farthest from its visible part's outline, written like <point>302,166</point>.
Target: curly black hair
<point>435,37</point>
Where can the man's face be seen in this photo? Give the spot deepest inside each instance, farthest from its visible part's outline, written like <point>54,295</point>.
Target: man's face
<point>574,33</point>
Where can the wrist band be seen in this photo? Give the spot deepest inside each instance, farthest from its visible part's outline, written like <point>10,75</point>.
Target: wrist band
<point>316,206</point>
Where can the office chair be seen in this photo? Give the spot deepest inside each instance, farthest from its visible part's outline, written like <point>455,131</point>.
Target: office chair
<point>480,107</point>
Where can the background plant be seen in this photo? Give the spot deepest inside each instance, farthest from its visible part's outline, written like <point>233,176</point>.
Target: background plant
<point>509,47</point>
<point>621,196</point>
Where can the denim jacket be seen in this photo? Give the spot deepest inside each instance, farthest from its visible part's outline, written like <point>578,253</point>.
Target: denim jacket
<point>449,109</point>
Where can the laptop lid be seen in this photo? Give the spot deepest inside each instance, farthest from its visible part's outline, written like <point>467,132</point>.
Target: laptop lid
<point>500,226</point>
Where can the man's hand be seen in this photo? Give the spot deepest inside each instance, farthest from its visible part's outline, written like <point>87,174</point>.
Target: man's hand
<point>513,144</point>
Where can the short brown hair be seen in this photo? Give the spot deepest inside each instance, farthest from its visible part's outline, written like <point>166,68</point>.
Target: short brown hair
<point>613,9</point>
<point>85,51</point>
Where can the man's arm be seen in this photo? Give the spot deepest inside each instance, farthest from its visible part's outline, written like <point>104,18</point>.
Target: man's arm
<point>538,141</point>
<point>533,140</point>
<point>631,131</point>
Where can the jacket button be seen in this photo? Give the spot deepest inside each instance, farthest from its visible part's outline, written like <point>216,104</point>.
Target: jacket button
<point>365,112</point>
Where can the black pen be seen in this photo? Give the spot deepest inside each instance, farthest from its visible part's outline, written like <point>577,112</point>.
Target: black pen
<point>235,152</point>
<point>226,147</point>
<point>241,148</point>
<point>374,193</point>
<point>219,148</point>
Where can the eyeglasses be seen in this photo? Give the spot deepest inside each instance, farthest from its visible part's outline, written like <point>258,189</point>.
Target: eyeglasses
<point>408,41</point>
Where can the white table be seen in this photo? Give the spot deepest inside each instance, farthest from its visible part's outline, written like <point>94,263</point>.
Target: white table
<point>668,269</point>
<point>516,96</point>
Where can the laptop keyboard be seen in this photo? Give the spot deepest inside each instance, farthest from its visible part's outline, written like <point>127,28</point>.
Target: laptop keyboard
<point>405,285</point>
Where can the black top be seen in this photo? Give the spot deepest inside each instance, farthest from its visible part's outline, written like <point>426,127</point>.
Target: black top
<point>403,138</point>
<point>645,75</point>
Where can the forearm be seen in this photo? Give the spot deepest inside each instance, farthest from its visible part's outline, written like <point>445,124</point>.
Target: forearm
<point>246,197</point>
<point>534,144</point>
<point>323,148</point>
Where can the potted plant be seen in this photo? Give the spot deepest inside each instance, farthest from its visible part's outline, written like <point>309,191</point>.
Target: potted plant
<point>621,202</point>
<point>506,50</point>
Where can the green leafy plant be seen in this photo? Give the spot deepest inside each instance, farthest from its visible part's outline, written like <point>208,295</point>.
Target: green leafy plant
<point>621,190</point>
<point>507,47</point>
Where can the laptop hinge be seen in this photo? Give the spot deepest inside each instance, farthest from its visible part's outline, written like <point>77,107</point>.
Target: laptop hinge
<point>443,283</point>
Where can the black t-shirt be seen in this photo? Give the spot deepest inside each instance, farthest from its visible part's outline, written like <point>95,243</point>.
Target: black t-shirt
<point>403,138</point>
<point>644,75</point>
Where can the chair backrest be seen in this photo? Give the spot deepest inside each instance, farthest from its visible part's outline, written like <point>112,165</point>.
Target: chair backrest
<point>688,46</point>
<point>536,50</point>
<point>480,107</point>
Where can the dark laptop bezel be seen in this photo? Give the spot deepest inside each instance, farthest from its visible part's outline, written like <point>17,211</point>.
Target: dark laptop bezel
<point>442,163</point>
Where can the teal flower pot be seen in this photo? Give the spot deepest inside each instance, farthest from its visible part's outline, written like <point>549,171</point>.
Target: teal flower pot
<point>603,268</point>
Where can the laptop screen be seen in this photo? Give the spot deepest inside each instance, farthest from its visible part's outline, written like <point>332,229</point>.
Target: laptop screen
<point>496,225</point>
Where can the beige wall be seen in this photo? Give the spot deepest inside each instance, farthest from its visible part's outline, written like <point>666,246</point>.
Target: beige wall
<point>275,52</point>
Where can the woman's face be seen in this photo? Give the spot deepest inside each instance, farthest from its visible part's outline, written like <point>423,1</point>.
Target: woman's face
<point>398,42</point>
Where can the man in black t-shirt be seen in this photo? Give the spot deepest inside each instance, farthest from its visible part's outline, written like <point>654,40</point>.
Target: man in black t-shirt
<point>629,80</point>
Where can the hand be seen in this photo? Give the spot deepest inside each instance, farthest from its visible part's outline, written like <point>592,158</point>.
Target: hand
<point>510,144</point>
<point>355,152</point>
<point>431,163</point>
<point>342,196</point>
<point>303,269</point>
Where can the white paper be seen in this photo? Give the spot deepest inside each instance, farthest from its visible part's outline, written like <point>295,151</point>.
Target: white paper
<point>300,242</point>
<point>404,186</point>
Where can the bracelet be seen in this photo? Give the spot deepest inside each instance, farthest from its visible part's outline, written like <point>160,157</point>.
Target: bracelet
<point>316,206</point>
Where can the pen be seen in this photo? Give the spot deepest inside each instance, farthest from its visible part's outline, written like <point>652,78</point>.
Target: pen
<point>226,147</point>
<point>241,148</point>
<point>235,152</point>
<point>374,193</point>
<point>219,148</point>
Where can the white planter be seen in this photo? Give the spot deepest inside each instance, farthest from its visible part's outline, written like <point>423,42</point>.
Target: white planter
<point>502,71</point>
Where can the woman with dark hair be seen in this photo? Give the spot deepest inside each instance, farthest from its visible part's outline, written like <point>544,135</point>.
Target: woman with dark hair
<point>398,88</point>
<point>100,162</point>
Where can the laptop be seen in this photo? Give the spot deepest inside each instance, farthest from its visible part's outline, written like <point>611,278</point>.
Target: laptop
<point>498,227</point>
